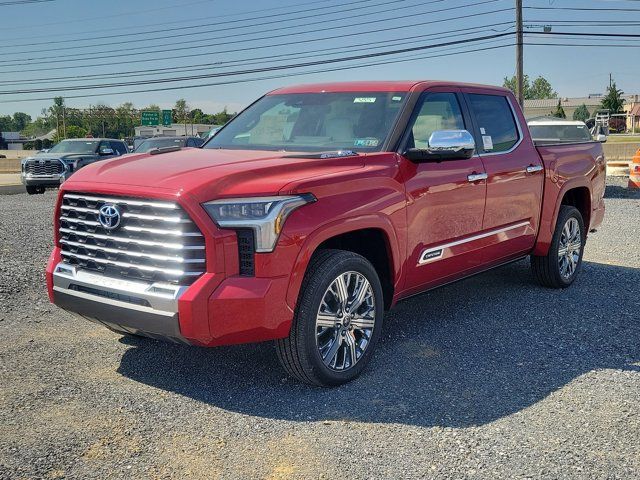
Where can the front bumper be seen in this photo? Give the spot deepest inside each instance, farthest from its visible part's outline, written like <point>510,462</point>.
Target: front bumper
<point>210,312</point>
<point>120,305</point>
<point>56,180</point>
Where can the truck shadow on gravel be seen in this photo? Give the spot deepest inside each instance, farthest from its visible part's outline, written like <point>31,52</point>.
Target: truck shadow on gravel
<point>462,355</point>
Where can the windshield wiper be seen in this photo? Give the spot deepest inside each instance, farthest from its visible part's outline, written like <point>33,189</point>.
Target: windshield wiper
<point>330,154</point>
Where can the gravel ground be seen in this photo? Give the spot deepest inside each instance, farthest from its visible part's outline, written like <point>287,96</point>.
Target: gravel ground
<point>492,377</point>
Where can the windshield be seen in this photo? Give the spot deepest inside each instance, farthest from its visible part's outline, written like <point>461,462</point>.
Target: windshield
<point>560,133</point>
<point>75,146</point>
<point>160,142</point>
<point>313,122</point>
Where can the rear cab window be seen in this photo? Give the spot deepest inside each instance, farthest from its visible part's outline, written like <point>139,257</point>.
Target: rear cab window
<point>497,128</point>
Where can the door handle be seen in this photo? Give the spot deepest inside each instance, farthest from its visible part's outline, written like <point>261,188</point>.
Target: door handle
<point>476,177</point>
<point>534,168</point>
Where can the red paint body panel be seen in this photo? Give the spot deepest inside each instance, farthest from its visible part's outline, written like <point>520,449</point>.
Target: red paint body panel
<point>416,206</point>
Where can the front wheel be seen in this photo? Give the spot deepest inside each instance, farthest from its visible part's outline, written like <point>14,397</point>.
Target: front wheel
<point>337,321</point>
<point>559,268</point>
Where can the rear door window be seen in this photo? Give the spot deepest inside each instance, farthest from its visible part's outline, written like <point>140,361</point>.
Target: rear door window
<point>494,118</point>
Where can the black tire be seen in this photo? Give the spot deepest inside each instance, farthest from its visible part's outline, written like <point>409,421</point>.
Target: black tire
<point>546,269</point>
<point>299,353</point>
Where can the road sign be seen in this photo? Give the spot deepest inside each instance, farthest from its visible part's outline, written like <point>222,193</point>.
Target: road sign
<point>150,118</point>
<point>167,118</point>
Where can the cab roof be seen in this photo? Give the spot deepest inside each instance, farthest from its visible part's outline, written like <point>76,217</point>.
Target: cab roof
<point>379,86</point>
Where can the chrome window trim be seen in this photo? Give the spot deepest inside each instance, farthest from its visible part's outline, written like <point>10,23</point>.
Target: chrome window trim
<point>440,248</point>
<point>515,118</point>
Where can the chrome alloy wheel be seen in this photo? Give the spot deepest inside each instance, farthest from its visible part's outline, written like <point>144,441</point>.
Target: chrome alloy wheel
<point>569,248</point>
<point>345,321</point>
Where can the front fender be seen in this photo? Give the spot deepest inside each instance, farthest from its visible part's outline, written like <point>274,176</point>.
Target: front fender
<point>339,227</point>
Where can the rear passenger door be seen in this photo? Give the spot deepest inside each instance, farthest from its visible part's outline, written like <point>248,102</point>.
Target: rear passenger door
<point>514,175</point>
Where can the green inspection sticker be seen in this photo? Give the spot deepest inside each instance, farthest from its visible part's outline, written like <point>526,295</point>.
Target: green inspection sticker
<point>366,142</point>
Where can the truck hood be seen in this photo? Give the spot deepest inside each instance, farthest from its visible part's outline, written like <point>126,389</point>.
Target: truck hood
<point>209,173</point>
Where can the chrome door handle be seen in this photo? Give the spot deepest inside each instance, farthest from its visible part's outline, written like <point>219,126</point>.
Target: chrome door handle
<point>534,168</point>
<point>476,177</point>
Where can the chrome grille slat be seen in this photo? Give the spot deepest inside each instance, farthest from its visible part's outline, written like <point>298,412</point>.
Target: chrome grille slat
<point>155,242</point>
<point>123,201</point>
<point>156,231</point>
<point>117,251</point>
<point>168,271</point>
<point>94,211</point>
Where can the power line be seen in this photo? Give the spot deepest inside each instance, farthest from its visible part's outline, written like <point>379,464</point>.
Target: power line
<point>217,24</point>
<point>585,9</point>
<point>236,50</point>
<point>189,44</point>
<point>255,79</point>
<point>22,2</point>
<point>247,61</point>
<point>257,70</point>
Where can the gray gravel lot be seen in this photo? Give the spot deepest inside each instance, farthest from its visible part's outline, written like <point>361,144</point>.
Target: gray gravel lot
<point>492,377</point>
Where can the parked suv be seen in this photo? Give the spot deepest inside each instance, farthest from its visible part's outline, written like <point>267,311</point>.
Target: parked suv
<point>50,169</point>
<point>314,211</point>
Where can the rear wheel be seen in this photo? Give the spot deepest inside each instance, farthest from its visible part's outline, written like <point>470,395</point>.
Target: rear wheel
<point>559,268</point>
<point>337,321</point>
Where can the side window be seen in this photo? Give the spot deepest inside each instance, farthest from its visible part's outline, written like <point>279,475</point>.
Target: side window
<point>495,121</point>
<point>190,143</point>
<point>439,111</point>
<point>118,148</point>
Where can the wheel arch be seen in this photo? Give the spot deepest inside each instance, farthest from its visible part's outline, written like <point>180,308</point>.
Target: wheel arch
<point>575,193</point>
<point>373,237</point>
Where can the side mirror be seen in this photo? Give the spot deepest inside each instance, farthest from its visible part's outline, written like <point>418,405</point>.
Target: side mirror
<point>106,151</point>
<point>601,138</point>
<point>445,145</point>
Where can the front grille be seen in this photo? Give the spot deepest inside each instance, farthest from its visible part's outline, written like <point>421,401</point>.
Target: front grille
<point>156,241</point>
<point>246,252</point>
<point>43,167</point>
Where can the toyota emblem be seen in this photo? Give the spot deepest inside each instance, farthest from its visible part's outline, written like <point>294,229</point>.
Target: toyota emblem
<point>109,216</point>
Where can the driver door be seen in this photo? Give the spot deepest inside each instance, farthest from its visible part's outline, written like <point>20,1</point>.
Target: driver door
<point>445,199</point>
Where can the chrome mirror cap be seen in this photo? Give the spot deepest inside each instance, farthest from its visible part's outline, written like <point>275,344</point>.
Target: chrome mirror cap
<point>445,145</point>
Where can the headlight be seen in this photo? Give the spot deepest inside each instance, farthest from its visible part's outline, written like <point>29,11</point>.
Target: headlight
<point>264,215</point>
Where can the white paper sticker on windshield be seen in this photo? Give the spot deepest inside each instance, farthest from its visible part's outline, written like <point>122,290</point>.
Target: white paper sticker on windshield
<point>487,142</point>
<point>364,100</point>
<point>482,131</point>
<point>396,99</point>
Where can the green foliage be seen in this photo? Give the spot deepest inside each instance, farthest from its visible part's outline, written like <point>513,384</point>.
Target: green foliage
<point>581,113</point>
<point>99,120</point>
<point>540,88</point>
<point>559,112</point>
<point>613,101</point>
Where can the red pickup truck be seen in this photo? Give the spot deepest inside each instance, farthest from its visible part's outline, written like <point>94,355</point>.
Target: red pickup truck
<point>315,210</point>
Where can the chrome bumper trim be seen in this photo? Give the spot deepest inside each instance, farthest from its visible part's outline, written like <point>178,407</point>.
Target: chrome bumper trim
<point>161,297</point>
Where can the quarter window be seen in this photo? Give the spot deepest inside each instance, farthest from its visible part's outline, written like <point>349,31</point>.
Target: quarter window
<point>496,123</point>
<point>439,111</point>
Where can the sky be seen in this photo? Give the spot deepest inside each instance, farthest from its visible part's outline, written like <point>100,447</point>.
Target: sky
<point>245,43</point>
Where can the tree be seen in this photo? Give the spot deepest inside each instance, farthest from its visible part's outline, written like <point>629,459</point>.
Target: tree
<point>559,113</point>
<point>613,101</point>
<point>581,113</point>
<point>540,88</point>
<point>181,113</point>
<point>20,121</point>
<point>74,131</point>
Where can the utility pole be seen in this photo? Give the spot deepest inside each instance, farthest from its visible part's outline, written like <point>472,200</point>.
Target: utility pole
<point>519,48</point>
<point>610,81</point>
